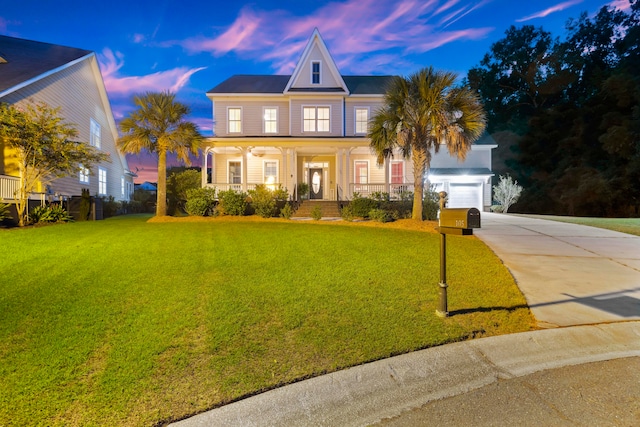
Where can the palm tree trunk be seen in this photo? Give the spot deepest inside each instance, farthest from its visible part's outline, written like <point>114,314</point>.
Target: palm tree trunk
<point>419,158</point>
<point>161,203</point>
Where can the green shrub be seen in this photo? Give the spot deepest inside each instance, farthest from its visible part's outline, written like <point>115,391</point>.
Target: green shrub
<point>430,204</point>
<point>110,207</point>
<point>178,183</point>
<point>232,202</point>
<point>263,201</point>
<point>4,211</point>
<point>497,208</point>
<point>379,196</point>
<point>280,193</point>
<point>286,212</point>
<point>48,214</point>
<point>200,201</point>
<point>380,215</point>
<point>316,213</point>
<point>347,213</point>
<point>361,206</point>
<point>303,189</point>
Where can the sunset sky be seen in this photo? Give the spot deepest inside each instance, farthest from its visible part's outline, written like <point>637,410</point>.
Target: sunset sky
<point>189,47</point>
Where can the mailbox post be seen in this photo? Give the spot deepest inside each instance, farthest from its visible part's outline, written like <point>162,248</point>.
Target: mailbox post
<point>459,221</point>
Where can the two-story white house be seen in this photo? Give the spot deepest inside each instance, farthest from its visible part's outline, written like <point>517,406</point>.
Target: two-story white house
<point>311,127</point>
<point>68,78</point>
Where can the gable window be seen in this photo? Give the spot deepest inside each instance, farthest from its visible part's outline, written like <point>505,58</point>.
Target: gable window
<point>362,120</point>
<point>102,181</point>
<point>270,120</point>
<point>316,119</point>
<point>361,169</point>
<point>84,175</point>
<point>315,73</point>
<point>397,172</point>
<point>270,173</point>
<point>235,172</point>
<point>95,139</point>
<point>235,119</point>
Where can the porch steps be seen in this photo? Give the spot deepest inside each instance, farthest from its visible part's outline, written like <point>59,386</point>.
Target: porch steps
<point>329,208</point>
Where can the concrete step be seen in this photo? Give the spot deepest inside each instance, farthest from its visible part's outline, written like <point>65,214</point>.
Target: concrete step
<point>328,208</point>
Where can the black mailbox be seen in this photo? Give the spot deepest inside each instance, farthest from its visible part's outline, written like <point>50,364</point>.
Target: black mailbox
<point>459,220</point>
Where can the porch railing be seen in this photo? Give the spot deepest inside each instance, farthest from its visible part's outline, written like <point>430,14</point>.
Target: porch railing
<point>366,190</point>
<point>8,187</point>
<point>225,186</point>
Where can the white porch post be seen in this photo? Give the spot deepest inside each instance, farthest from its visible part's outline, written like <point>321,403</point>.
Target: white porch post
<point>386,175</point>
<point>245,152</point>
<point>338,172</point>
<point>347,174</point>
<point>203,173</point>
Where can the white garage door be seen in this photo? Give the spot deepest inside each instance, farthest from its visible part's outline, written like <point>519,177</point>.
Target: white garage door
<point>465,196</point>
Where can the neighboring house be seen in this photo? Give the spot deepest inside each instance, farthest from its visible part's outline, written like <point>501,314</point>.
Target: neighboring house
<point>147,186</point>
<point>68,78</point>
<point>311,127</point>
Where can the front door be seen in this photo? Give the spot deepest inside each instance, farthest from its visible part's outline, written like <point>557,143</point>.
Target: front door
<point>315,183</point>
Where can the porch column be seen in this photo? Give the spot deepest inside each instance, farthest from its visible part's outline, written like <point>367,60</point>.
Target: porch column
<point>339,174</point>
<point>203,172</point>
<point>386,176</point>
<point>245,151</point>
<point>347,173</point>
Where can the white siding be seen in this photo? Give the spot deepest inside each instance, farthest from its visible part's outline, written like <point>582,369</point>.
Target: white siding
<point>335,105</point>
<point>252,115</point>
<point>76,91</point>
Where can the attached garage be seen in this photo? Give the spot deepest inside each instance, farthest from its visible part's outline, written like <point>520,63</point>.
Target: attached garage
<point>465,196</point>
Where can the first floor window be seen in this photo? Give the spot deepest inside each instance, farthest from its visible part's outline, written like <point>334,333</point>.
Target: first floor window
<point>270,172</point>
<point>96,137</point>
<point>397,172</point>
<point>316,119</point>
<point>362,120</point>
<point>362,172</point>
<point>235,172</point>
<point>270,120</point>
<point>84,175</point>
<point>235,120</point>
<point>123,187</point>
<point>102,181</point>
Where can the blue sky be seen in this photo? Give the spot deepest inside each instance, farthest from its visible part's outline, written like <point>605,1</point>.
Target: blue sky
<point>190,46</point>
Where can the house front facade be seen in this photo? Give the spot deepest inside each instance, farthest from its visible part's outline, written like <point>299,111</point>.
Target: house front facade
<point>68,78</point>
<point>311,127</point>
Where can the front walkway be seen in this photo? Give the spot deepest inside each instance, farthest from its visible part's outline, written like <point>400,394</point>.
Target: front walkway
<point>570,274</point>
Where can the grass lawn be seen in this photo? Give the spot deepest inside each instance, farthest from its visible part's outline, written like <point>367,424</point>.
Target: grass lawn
<point>129,322</point>
<point>623,225</point>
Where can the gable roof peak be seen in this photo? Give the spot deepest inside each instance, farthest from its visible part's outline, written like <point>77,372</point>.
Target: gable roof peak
<point>317,49</point>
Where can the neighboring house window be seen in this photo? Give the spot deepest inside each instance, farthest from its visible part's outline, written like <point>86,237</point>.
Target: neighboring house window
<point>270,120</point>
<point>235,120</point>
<point>235,172</point>
<point>270,172</point>
<point>102,181</point>
<point>361,168</point>
<point>123,187</point>
<point>362,120</point>
<point>315,73</point>
<point>95,138</point>
<point>84,175</point>
<point>316,119</point>
<point>397,172</point>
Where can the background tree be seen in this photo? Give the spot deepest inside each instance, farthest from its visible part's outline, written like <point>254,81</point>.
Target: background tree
<point>420,112</point>
<point>159,125</point>
<point>180,181</point>
<point>506,192</point>
<point>45,148</point>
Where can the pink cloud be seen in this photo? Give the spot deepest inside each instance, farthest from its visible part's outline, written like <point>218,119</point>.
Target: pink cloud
<point>117,85</point>
<point>623,5</point>
<point>352,29</point>
<point>550,10</point>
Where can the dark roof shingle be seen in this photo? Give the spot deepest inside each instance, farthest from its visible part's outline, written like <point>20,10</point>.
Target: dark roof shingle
<point>27,59</point>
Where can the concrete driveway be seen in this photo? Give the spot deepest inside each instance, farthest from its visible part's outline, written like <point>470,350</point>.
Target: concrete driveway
<point>570,274</point>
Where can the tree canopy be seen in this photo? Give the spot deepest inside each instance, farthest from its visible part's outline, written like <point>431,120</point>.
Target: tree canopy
<point>421,112</point>
<point>45,148</point>
<point>159,125</point>
<point>566,114</point>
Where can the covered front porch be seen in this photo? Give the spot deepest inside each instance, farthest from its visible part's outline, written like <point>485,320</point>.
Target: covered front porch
<point>330,172</point>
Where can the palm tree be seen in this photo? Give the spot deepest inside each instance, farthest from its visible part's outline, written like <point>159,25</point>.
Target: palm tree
<point>421,112</point>
<point>159,125</point>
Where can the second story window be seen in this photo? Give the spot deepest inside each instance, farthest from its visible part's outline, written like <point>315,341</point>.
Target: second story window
<point>316,119</point>
<point>270,120</point>
<point>315,73</point>
<point>362,120</point>
<point>235,119</point>
<point>84,175</point>
<point>95,139</point>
